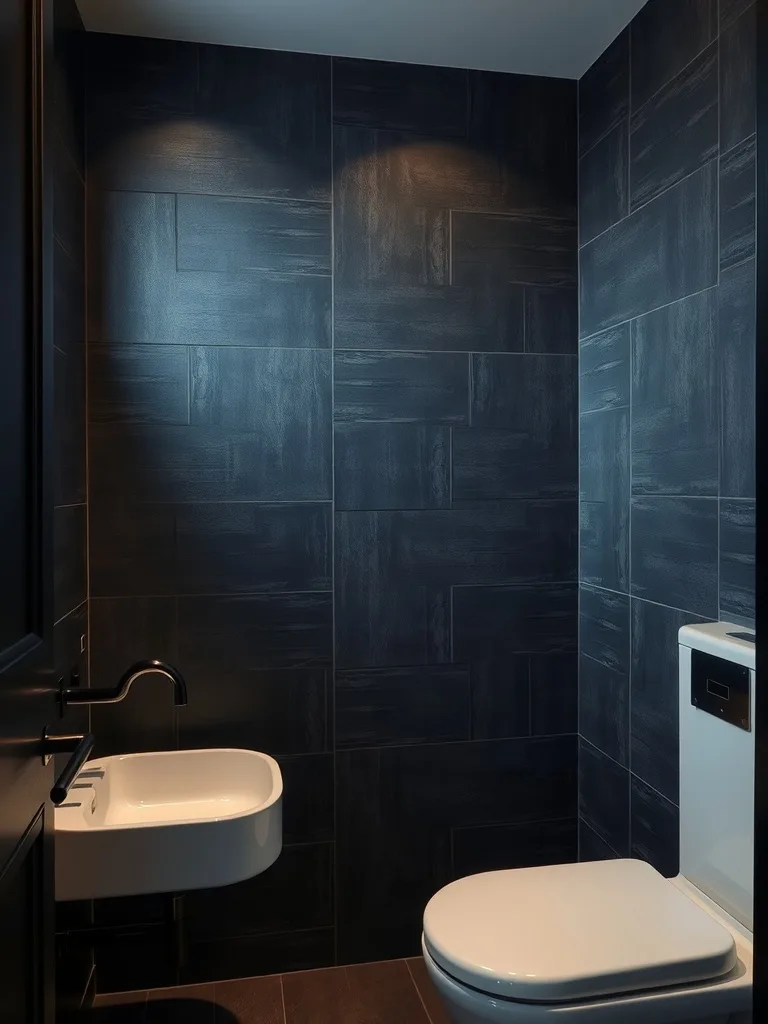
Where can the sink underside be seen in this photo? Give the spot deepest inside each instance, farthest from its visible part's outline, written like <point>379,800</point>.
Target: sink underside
<point>168,821</point>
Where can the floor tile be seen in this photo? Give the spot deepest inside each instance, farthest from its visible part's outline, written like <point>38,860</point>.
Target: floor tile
<point>433,1004</point>
<point>251,1001</point>
<point>117,1008</point>
<point>378,993</point>
<point>193,1004</point>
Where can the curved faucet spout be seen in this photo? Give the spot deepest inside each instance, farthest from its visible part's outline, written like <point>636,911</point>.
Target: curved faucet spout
<point>114,694</point>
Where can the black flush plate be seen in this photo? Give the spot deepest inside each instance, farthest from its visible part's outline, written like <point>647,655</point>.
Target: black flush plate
<point>721,688</point>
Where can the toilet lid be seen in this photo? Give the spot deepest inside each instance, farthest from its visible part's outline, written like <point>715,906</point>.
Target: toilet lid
<point>573,931</point>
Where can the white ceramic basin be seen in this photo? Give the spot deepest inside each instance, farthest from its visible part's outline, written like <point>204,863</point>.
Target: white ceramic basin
<point>169,821</point>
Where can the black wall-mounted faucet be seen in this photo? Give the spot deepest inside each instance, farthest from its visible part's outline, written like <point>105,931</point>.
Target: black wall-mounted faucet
<point>114,694</point>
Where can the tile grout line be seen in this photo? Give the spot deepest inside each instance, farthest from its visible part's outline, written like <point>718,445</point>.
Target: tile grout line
<point>418,990</point>
<point>656,309</point>
<point>282,1000</point>
<point>330,727</point>
<point>579,398</point>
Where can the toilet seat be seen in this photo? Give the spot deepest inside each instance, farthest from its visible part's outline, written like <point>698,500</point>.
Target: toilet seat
<point>574,932</point>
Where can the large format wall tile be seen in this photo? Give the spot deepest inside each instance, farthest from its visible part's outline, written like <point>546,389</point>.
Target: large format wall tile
<point>666,36</point>
<point>604,93</point>
<point>514,619</point>
<point>70,587</point>
<point>674,552</point>
<point>654,829</point>
<point>138,384</point>
<point>604,636</point>
<point>515,248</point>
<point>736,296</point>
<point>604,370</point>
<point>663,251</point>
<point>738,210</point>
<point>738,79</point>
<point>604,797</point>
<point>737,560</point>
<point>604,184</point>
<point>604,499</point>
<point>675,390</point>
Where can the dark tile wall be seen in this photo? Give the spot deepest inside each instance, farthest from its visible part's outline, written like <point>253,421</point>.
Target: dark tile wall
<point>667,401</point>
<point>333,471</point>
<point>66,140</point>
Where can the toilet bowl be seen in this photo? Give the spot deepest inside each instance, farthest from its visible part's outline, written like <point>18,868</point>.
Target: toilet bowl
<point>626,946</point>
<point>615,942</point>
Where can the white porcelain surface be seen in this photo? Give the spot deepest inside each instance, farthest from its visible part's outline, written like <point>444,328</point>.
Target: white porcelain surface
<point>573,931</point>
<point>717,772</point>
<point>166,821</point>
<point>725,1000</point>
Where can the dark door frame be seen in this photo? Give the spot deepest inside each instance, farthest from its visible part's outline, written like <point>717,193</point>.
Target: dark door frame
<point>761,381</point>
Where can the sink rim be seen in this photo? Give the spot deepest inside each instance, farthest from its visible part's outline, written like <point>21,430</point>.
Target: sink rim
<point>70,819</point>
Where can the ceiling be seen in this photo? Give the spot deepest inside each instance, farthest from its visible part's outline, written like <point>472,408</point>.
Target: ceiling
<point>559,38</point>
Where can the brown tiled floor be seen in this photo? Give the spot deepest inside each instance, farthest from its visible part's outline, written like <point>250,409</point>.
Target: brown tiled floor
<point>392,992</point>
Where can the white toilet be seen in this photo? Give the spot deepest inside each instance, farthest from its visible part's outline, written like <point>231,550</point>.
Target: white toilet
<point>614,942</point>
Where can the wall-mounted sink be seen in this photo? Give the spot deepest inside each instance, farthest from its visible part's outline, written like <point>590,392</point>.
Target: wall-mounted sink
<point>169,821</point>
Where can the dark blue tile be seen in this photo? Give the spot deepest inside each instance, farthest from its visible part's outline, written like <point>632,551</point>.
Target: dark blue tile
<point>138,384</point>
<point>604,93</point>
<point>551,320</point>
<point>676,131</point>
<point>501,847</point>
<point>70,583</point>
<point>516,248</point>
<point>655,697</point>
<point>538,461</point>
<point>510,620</point>
<point>385,707</point>
<point>224,234</point>
<point>730,9</point>
<point>69,410</point>
<point>604,797</point>
<point>736,296</point>
<point>554,694</point>
<point>738,79</point>
<point>673,245</point>
<point>500,697</point>
<point>536,393</point>
<point>666,36</point>
<point>403,97</point>
<point>654,829</point>
<point>392,465</point>
<point>430,318</point>
<point>675,407</point>
<point>738,210</point>
<point>604,183</point>
<point>604,628</point>
<point>737,561</point>
<point>604,370</point>
<point>604,506</point>
<point>592,846</point>
<point>604,708</point>
<point>404,387</point>
<point>674,552</point>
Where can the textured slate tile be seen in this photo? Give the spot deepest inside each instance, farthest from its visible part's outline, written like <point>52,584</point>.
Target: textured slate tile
<point>308,809</point>
<point>137,297</point>
<point>604,183</point>
<point>514,619</point>
<point>67,636</point>
<point>592,846</point>
<point>551,320</point>
<point>132,548</point>
<point>405,387</point>
<point>500,697</point>
<point>516,248</point>
<point>70,585</point>
<point>225,234</point>
<point>540,176</point>
<point>265,631</point>
<point>737,561</point>
<point>430,318</point>
<point>382,707</point>
<point>604,504</point>
<point>604,93</point>
<point>604,628</point>
<point>655,695</point>
<point>654,829</point>
<point>392,465</point>
<point>738,211</point>
<point>436,787</point>
<point>666,36</point>
<point>604,370</point>
<point>70,429</point>
<point>671,246</point>
<point>138,384</point>
<point>738,79</point>
<point>736,297</point>
<point>124,630</point>
<point>604,797</point>
<point>675,388</point>
<point>730,9</point>
<point>386,230</point>
<point>296,892</point>
<point>676,131</point>
<point>169,134</point>
<point>604,708</point>
<point>537,461</point>
<point>500,847</point>
<point>393,568</point>
<point>68,80</point>
<point>68,201</point>
<point>513,391</point>
<point>402,97</point>
<point>68,299</point>
<point>674,552</point>
<point>554,694</point>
